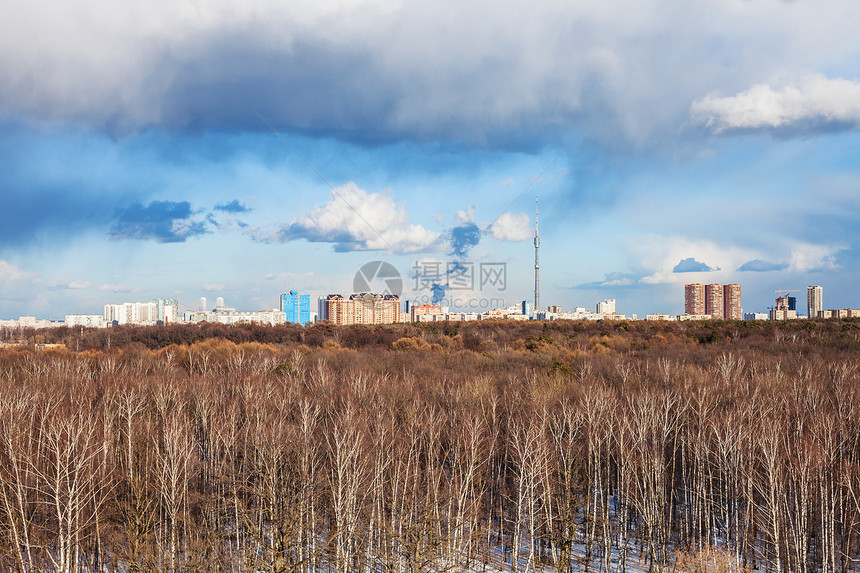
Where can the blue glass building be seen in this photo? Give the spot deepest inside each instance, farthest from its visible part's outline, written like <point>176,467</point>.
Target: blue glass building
<point>297,307</point>
<point>527,307</point>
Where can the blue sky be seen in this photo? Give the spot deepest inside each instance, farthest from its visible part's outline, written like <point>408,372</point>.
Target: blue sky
<point>187,149</point>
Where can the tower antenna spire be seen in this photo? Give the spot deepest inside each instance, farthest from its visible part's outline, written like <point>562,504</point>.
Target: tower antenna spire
<point>537,260</point>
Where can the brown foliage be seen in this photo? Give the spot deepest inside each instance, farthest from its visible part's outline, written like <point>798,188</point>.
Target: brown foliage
<point>418,447</point>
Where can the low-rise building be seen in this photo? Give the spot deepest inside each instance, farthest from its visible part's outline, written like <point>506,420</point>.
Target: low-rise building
<point>782,314</point>
<point>839,313</point>
<point>424,312</point>
<point>270,317</point>
<point>30,322</point>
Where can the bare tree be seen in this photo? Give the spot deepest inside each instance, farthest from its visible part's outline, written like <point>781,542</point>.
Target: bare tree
<point>65,476</point>
<point>18,440</point>
<point>174,457</point>
<point>347,465</point>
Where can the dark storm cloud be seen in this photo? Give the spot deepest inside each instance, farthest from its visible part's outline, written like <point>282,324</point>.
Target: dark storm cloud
<point>518,76</point>
<point>233,206</point>
<point>63,184</point>
<point>315,89</point>
<point>162,221</point>
<point>691,265</point>
<point>343,241</point>
<point>760,266</point>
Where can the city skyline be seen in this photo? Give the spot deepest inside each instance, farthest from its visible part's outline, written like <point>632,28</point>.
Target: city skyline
<point>701,302</point>
<point>226,150</point>
<point>696,299</point>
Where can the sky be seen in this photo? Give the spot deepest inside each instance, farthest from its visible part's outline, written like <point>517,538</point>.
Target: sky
<point>241,150</point>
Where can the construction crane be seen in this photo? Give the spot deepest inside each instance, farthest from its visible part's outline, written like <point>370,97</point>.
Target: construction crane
<point>782,301</point>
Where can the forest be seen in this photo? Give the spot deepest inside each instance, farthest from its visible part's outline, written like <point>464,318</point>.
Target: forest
<point>487,446</point>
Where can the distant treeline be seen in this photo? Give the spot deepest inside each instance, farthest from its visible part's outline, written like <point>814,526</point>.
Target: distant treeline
<point>636,335</point>
<point>557,446</point>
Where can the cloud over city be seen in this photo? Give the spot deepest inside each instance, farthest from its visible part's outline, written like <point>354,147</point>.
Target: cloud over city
<point>674,141</point>
<point>612,280</point>
<point>691,265</point>
<point>233,206</point>
<point>355,220</point>
<point>166,65</point>
<point>162,221</point>
<point>760,266</point>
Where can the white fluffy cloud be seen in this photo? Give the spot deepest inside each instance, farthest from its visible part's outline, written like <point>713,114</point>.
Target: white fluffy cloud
<point>355,220</point>
<point>512,227</point>
<point>463,216</point>
<point>815,99</point>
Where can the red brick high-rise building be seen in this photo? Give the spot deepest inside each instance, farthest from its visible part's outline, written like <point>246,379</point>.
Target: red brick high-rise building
<point>732,302</point>
<point>718,301</point>
<point>714,301</point>
<point>694,299</point>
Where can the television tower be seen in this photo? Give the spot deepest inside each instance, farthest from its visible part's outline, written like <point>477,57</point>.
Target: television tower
<point>537,260</point>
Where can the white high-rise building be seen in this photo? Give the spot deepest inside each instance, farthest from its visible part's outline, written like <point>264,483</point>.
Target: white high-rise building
<point>606,306</point>
<point>201,304</point>
<point>219,302</point>
<point>814,300</point>
<point>131,313</point>
<point>166,310</point>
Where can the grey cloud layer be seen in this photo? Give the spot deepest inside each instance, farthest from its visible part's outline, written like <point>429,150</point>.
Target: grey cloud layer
<point>172,221</point>
<point>162,221</point>
<point>371,71</point>
<point>760,266</point>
